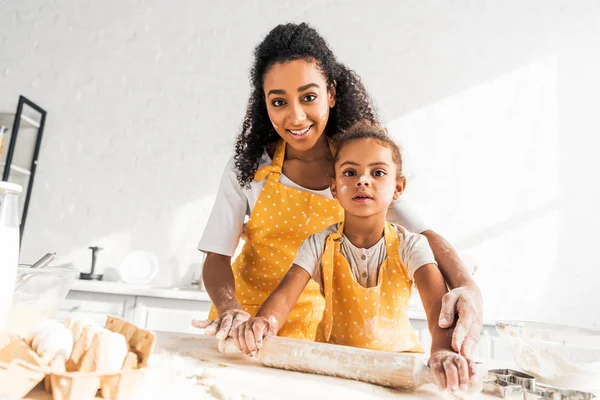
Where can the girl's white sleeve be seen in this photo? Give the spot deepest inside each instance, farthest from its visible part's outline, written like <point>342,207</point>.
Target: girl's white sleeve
<point>400,213</point>
<point>224,227</point>
<point>414,251</point>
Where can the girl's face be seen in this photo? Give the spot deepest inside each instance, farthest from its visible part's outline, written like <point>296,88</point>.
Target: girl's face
<point>298,102</point>
<point>366,180</point>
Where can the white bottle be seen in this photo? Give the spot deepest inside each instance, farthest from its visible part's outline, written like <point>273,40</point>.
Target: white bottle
<point>9,246</point>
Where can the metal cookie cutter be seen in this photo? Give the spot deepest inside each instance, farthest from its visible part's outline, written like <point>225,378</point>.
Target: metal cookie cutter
<point>508,384</point>
<point>543,392</point>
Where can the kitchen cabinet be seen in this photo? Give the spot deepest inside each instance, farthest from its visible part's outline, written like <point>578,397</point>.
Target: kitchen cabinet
<point>96,306</point>
<point>169,315</point>
<point>155,313</point>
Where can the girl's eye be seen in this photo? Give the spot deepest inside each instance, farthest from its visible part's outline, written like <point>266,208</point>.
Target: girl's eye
<point>309,97</point>
<point>278,102</point>
<point>379,173</point>
<point>349,172</point>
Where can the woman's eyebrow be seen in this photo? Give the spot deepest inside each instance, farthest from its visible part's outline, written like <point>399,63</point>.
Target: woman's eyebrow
<point>300,89</point>
<point>308,86</point>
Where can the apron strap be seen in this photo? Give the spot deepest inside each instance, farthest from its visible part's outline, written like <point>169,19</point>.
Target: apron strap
<point>332,247</point>
<point>392,241</point>
<point>277,163</point>
<point>273,170</point>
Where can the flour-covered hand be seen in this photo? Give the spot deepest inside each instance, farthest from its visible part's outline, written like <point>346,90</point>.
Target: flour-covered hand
<point>451,370</point>
<point>224,325</point>
<point>249,335</point>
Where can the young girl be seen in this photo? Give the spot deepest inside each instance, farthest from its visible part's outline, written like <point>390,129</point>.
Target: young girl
<point>279,177</point>
<point>365,266</point>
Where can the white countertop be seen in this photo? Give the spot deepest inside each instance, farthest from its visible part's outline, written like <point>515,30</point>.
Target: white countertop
<point>139,290</point>
<point>191,367</point>
<point>210,374</point>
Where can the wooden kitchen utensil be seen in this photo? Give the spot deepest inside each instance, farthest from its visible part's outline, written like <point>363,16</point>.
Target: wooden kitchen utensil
<point>405,371</point>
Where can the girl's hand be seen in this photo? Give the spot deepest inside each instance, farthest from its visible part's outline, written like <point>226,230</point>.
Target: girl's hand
<point>249,335</point>
<point>451,370</point>
<point>224,325</point>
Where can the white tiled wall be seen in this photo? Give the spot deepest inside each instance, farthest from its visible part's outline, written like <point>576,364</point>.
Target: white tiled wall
<point>495,103</point>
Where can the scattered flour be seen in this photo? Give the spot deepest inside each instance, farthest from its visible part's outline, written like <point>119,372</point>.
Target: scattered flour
<point>183,376</point>
<point>189,367</point>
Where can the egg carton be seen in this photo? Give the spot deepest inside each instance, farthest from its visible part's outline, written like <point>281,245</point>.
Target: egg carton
<point>21,369</point>
<point>86,374</point>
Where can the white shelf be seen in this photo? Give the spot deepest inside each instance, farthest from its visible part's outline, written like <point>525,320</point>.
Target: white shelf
<point>16,168</point>
<point>7,120</point>
<point>30,121</point>
<point>139,290</point>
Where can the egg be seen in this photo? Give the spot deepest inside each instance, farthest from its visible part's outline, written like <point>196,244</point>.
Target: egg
<point>40,330</point>
<point>57,341</point>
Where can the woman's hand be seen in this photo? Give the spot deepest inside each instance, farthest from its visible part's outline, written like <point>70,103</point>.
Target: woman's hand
<point>451,370</point>
<point>224,325</point>
<point>249,335</point>
<point>468,305</point>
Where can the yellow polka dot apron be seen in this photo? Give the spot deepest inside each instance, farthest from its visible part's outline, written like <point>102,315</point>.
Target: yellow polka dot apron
<point>282,218</point>
<point>375,317</point>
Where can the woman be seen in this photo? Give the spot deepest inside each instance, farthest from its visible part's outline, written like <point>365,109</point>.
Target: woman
<point>279,176</point>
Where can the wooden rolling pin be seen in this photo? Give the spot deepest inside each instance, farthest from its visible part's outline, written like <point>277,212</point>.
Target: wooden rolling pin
<point>398,370</point>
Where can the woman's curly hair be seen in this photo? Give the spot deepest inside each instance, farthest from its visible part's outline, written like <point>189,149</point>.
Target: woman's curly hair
<point>286,43</point>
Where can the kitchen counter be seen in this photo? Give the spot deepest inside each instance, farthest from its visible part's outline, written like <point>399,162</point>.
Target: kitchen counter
<point>139,290</point>
<point>190,365</point>
<point>185,366</point>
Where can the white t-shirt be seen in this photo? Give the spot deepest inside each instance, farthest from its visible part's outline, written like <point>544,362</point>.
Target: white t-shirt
<point>233,203</point>
<point>414,252</point>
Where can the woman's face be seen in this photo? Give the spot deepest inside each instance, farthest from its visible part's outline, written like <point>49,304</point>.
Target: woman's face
<point>298,102</point>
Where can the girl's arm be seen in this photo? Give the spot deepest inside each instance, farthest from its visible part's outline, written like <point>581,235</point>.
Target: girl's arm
<point>449,368</point>
<point>274,311</point>
<point>464,300</point>
<point>432,288</point>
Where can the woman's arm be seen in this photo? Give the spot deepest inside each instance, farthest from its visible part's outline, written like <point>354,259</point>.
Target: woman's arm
<point>450,263</point>
<point>464,300</point>
<point>274,311</point>
<point>219,241</point>
<point>465,297</point>
<point>220,285</point>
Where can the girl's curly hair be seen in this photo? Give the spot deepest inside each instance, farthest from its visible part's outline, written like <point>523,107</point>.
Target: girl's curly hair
<point>367,130</point>
<point>286,43</point>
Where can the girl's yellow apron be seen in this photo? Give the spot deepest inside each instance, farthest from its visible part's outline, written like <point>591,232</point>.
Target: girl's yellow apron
<point>281,220</point>
<point>374,318</point>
